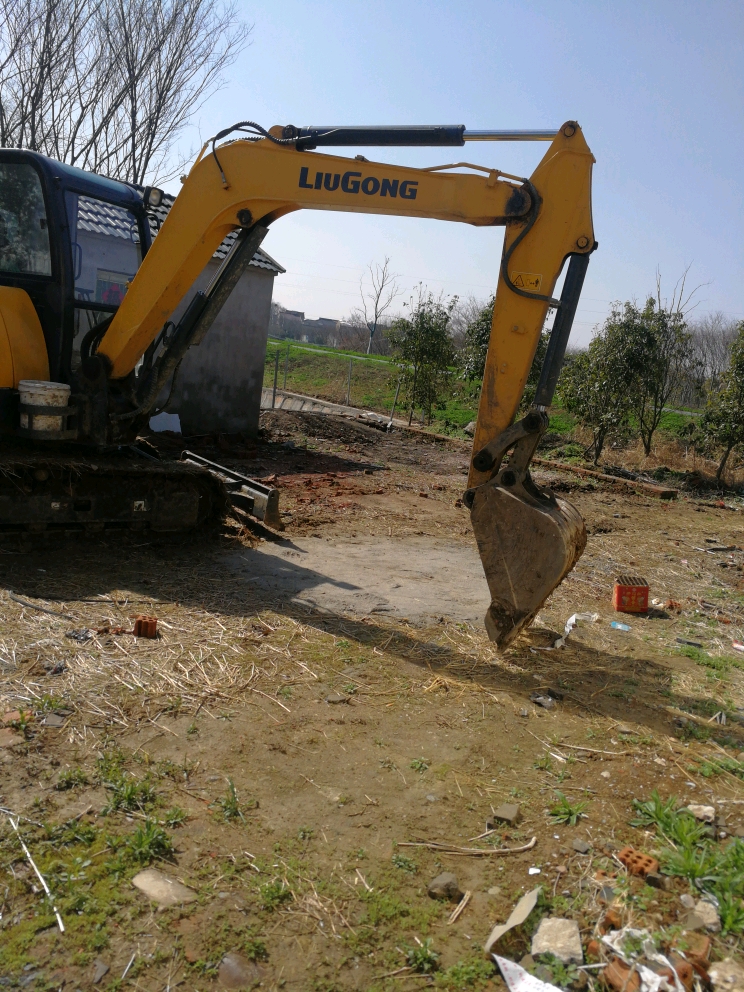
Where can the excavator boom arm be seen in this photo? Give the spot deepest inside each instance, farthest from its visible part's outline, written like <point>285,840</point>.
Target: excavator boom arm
<point>528,540</point>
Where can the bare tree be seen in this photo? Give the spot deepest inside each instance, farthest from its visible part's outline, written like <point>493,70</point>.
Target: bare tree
<point>109,85</point>
<point>712,338</point>
<point>377,300</point>
<point>465,312</point>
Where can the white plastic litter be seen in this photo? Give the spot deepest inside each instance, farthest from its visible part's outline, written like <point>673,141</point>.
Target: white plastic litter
<point>519,980</point>
<point>650,980</point>
<point>573,621</point>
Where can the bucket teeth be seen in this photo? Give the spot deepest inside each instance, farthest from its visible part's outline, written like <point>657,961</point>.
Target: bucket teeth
<point>527,546</point>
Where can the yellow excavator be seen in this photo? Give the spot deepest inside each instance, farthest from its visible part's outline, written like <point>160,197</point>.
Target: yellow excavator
<point>88,343</point>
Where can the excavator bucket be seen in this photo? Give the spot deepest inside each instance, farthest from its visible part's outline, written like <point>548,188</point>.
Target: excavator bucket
<point>527,542</point>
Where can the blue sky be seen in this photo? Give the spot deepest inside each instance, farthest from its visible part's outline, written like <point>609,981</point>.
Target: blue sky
<point>657,86</point>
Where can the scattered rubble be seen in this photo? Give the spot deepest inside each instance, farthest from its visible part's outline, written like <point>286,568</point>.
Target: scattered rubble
<point>703,916</point>
<point>237,972</point>
<point>445,886</point>
<point>727,976</point>
<point>705,813</point>
<point>506,813</point>
<point>100,970</point>
<point>161,889</point>
<point>637,862</point>
<point>560,938</point>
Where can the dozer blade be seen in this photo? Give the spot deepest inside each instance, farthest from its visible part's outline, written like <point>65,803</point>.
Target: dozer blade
<point>527,545</point>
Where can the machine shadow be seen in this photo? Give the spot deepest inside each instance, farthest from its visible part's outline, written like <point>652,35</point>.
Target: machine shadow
<point>195,574</point>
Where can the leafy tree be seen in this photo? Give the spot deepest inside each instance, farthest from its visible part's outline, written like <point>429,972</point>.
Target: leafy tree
<point>723,421</point>
<point>475,349</point>
<point>423,350</point>
<point>660,344</point>
<point>594,387</point>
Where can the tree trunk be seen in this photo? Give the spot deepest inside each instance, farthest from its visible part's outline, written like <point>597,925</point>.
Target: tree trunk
<point>413,393</point>
<point>722,464</point>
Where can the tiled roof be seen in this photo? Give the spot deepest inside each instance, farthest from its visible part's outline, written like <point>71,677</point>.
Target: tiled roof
<point>261,260</point>
<point>99,217</point>
<point>116,222</point>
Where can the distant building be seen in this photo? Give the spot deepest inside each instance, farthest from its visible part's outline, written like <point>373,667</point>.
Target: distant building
<point>218,384</point>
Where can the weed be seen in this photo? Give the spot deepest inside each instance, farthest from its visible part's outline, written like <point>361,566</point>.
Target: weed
<point>473,974</point>
<point>404,863</point>
<point>561,974</point>
<point>273,894</point>
<point>383,908</point>
<point>49,703</point>
<point>285,692</point>
<point>21,724</point>
<point>544,763</point>
<point>70,778</point>
<point>148,843</point>
<point>351,689</point>
<point>192,730</point>
<point>566,812</point>
<point>655,811</point>
<point>229,805</point>
<point>305,833</point>
<point>419,765</point>
<point>175,817</point>
<point>255,949</point>
<point>422,958</point>
<point>129,794</point>
<point>110,765</point>
<point>731,910</point>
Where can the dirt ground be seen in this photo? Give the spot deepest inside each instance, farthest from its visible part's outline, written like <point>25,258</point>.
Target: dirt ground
<point>317,701</point>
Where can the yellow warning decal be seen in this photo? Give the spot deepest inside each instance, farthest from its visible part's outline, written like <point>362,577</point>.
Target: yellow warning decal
<point>531,281</point>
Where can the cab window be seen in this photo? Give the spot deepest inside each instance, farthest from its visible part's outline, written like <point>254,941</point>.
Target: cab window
<point>24,231</point>
<point>105,249</point>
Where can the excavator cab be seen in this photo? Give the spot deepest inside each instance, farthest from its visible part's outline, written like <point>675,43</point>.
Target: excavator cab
<point>71,242</point>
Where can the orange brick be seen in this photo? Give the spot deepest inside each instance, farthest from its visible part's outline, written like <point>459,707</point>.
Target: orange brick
<point>618,975</point>
<point>637,862</point>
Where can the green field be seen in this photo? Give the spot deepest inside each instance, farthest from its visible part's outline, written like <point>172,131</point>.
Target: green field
<point>324,373</point>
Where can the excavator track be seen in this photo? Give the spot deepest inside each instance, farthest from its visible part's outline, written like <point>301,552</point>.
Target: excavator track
<point>63,493</point>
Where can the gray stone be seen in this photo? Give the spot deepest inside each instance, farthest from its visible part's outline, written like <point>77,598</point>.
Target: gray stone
<point>335,698</point>
<point>54,720</point>
<point>705,813</point>
<point>469,429</point>
<point>581,845</point>
<point>506,813</point>
<point>445,886</point>
<point>161,889</point>
<point>100,970</point>
<point>558,937</point>
<point>237,972</point>
<point>727,976</point>
<point>709,914</point>
<point>687,900</point>
<point>547,702</point>
<point>527,962</point>
<point>606,894</point>
<point>495,890</point>
<point>657,881</point>
<point>624,730</point>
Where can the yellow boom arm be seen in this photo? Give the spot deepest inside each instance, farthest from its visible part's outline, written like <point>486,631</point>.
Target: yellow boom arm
<point>264,181</point>
<point>527,539</point>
